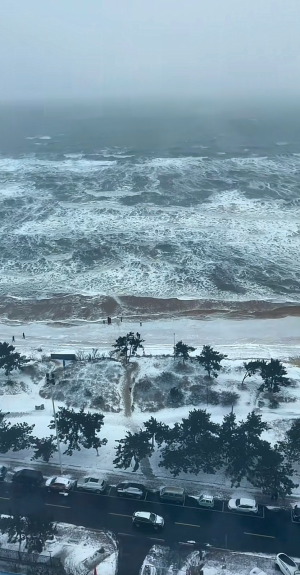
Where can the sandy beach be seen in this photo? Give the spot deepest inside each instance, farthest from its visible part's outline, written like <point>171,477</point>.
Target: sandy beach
<point>68,307</point>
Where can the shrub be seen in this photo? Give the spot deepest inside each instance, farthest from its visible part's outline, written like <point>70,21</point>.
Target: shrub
<point>175,396</point>
<point>229,398</point>
<point>98,402</point>
<point>144,384</point>
<point>212,397</point>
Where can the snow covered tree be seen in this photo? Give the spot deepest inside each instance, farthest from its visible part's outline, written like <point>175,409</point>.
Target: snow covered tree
<point>127,345</point>
<point>291,444</point>
<point>251,367</point>
<point>132,449</point>
<point>38,529</point>
<point>91,424</point>
<point>43,448</point>
<point>157,430</point>
<point>78,429</point>
<point>227,435</point>
<point>14,526</point>
<point>192,445</point>
<point>210,360</point>
<point>183,350</point>
<point>273,376</point>
<point>271,473</point>
<point>34,529</point>
<point>10,359</point>
<point>15,437</point>
<point>245,448</point>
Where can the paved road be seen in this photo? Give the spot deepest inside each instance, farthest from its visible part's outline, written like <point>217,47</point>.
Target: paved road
<point>267,532</point>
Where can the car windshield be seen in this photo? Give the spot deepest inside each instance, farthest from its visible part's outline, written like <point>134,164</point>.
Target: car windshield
<point>238,501</point>
<point>287,560</point>
<point>152,517</point>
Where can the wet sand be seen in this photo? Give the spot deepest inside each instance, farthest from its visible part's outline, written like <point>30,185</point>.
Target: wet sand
<point>65,307</point>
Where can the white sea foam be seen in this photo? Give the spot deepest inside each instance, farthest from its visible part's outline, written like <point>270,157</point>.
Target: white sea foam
<point>38,138</point>
<point>85,243</point>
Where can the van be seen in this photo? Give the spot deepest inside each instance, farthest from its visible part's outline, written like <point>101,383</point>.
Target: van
<point>176,494</point>
<point>29,477</point>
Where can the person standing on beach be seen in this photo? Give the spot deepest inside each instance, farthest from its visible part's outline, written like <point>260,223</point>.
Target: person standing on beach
<point>13,338</point>
<point>23,335</point>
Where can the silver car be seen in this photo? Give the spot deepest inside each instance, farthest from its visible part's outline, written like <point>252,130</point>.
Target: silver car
<point>93,484</point>
<point>205,500</point>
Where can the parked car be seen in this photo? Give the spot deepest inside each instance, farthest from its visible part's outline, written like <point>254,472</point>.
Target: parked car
<point>173,494</point>
<point>60,484</point>
<point>245,505</point>
<point>205,500</point>
<point>287,565</point>
<point>129,489</point>
<point>3,472</point>
<point>147,569</point>
<point>296,512</point>
<point>147,520</point>
<point>29,477</point>
<point>93,484</point>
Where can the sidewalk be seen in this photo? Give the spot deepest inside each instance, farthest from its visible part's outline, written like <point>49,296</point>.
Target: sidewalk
<point>192,487</point>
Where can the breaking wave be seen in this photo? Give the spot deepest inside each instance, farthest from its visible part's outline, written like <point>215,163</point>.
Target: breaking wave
<point>115,222</point>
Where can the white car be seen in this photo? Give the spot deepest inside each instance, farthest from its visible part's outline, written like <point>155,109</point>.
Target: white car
<point>93,484</point>
<point>62,485</point>
<point>243,504</point>
<point>146,519</point>
<point>287,565</point>
<point>148,569</point>
<point>205,500</point>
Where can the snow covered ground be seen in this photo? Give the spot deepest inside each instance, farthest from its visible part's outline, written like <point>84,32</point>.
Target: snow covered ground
<point>79,384</point>
<point>215,562</point>
<point>79,549</point>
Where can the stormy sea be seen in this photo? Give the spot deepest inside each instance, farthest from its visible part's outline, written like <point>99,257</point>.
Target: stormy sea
<point>104,209</point>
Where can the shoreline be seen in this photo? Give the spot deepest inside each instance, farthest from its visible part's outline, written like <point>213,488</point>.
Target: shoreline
<point>72,308</point>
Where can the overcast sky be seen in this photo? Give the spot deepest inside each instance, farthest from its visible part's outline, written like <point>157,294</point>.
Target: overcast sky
<point>92,48</point>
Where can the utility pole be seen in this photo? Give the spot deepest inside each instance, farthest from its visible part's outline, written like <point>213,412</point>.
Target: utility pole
<point>52,383</point>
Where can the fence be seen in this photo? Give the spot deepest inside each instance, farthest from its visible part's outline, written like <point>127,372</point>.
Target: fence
<point>29,558</point>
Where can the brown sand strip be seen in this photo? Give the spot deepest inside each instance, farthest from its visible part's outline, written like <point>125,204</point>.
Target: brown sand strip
<point>63,308</point>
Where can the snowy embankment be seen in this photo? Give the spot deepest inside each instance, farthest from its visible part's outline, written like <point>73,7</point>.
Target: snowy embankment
<point>79,549</point>
<point>101,385</point>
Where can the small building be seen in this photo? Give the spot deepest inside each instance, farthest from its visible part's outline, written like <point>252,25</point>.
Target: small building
<point>63,356</point>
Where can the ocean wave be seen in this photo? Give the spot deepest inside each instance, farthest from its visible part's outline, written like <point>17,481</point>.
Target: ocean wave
<point>161,227</point>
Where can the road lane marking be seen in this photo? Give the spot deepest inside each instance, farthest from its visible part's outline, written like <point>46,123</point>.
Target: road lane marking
<point>7,498</point>
<point>120,514</point>
<point>260,535</point>
<point>188,524</point>
<point>155,539</point>
<point>63,506</point>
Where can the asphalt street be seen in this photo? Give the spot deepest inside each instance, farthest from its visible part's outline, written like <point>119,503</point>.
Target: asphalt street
<point>266,532</point>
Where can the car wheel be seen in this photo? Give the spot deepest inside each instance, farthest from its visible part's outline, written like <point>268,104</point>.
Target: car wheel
<point>98,491</point>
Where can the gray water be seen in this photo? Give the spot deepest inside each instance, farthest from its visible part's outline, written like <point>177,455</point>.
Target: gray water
<point>159,202</point>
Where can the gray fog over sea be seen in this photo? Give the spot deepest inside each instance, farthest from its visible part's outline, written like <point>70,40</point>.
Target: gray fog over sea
<point>190,204</point>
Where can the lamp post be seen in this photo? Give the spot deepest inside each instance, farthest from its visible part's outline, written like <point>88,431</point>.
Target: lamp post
<point>51,382</point>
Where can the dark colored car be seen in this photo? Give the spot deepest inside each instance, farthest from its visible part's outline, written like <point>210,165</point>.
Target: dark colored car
<point>3,472</point>
<point>296,513</point>
<point>147,520</point>
<point>29,477</point>
<point>130,489</point>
